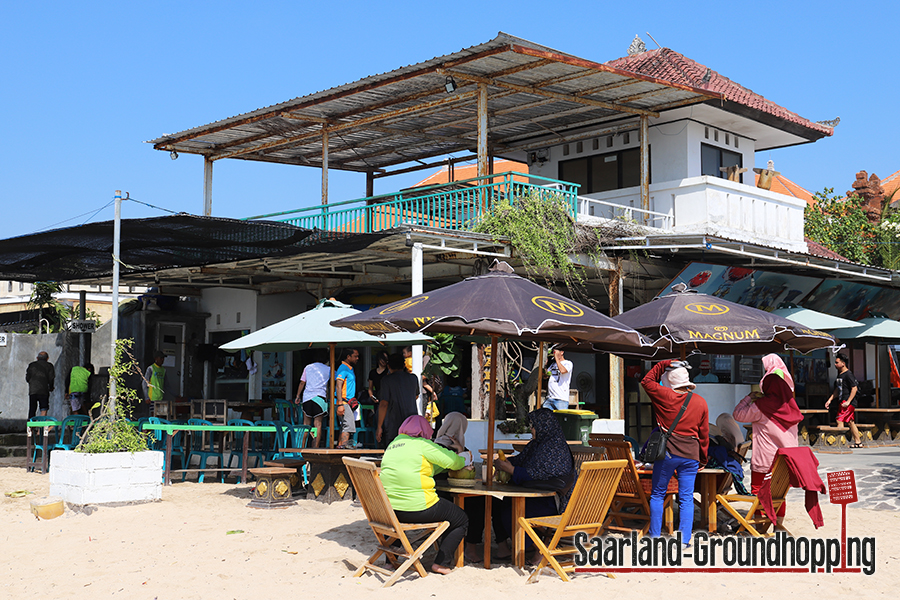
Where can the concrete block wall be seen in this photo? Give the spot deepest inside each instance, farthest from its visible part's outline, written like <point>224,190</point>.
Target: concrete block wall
<point>81,478</point>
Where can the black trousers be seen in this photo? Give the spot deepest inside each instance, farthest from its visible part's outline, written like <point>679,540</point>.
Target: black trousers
<point>36,401</point>
<point>442,510</point>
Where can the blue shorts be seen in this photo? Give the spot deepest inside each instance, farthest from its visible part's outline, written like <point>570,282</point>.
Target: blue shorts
<point>556,404</point>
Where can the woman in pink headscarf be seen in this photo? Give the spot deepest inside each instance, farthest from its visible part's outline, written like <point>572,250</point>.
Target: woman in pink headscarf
<point>774,414</point>
<point>407,473</point>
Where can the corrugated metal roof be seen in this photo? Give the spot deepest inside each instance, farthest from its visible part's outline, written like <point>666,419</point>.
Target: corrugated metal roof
<point>406,114</point>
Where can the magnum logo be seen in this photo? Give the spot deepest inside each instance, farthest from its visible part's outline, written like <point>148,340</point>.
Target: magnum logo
<point>722,335</point>
<point>563,308</point>
<point>707,308</point>
<point>409,303</point>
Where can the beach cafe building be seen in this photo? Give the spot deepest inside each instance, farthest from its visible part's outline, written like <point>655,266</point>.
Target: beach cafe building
<point>653,138</point>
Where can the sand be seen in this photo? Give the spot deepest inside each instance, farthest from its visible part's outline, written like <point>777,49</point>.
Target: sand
<point>180,548</point>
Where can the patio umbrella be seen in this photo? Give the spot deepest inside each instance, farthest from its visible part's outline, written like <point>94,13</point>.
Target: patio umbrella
<point>877,329</point>
<point>688,322</point>
<point>499,304</point>
<point>312,329</point>
<point>813,319</point>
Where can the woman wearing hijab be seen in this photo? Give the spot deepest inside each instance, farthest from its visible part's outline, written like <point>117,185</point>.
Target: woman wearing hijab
<point>407,473</point>
<point>546,463</point>
<point>774,414</point>
<point>450,435</point>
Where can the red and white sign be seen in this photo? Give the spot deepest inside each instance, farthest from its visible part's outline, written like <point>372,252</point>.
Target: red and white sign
<point>842,487</point>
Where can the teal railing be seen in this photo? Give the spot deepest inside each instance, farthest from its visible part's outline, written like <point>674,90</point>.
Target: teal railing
<point>455,206</point>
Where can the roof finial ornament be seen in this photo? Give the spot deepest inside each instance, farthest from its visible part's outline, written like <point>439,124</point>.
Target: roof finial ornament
<point>831,123</point>
<point>637,46</point>
<point>770,165</point>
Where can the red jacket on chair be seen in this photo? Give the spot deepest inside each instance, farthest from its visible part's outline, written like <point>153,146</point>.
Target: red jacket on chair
<point>803,466</point>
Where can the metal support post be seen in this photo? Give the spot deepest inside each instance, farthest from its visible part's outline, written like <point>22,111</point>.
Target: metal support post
<point>417,288</point>
<point>207,186</point>
<point>616,364</point>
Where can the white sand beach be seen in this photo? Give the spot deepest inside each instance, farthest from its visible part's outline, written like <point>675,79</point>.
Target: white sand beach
<point>180,548</point>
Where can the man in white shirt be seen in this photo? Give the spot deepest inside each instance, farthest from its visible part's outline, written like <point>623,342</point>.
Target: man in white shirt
<point>314,390</point>
<point>558,385</point>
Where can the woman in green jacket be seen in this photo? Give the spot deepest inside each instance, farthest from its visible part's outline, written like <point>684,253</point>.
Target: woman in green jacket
<point>407,473</point>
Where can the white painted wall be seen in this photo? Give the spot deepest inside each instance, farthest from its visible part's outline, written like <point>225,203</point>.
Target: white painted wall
<point>272,308</point>
<point>229,309</point>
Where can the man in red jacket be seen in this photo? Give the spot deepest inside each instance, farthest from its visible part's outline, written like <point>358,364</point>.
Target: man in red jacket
<point>687,444</point>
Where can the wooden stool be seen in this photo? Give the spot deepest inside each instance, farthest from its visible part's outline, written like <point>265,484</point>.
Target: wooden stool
<point>893,428</point>
<point>273,487</point>
<point>832,440</point>
<point>297,464</point>
<point>867,435</point>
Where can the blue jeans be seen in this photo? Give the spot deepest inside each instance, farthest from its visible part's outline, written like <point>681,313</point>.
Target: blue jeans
<point>662,473</point>
<point>555,404</point>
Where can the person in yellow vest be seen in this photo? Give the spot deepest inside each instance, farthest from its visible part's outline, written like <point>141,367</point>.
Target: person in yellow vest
<point>78,389</point>
<point>155,384</point>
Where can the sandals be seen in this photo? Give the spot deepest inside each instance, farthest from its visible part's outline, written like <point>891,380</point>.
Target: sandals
<point>860,445</point>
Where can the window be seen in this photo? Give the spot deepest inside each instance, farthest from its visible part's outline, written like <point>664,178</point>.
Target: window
<point>712,158</point>
<point>21,286</point>
<point>604,172</point>
<point>9,287</point>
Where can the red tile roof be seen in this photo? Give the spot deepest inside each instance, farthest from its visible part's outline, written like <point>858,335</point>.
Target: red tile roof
<point>816,249</point>
<point>783,185</point>
<point>671,66</point>
<point>464,172</point>
<point>891,184</point>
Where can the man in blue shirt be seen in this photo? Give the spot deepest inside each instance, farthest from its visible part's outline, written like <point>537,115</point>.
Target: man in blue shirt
<point>345,390</point>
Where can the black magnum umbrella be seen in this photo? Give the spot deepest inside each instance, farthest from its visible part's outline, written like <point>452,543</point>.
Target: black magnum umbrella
<point>688,322</point>
<point>499,304</point>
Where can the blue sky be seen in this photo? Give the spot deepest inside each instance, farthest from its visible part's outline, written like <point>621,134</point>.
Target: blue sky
<point>85,84</point>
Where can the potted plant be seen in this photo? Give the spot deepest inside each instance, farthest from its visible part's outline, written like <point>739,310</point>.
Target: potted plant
<point>112,463</point>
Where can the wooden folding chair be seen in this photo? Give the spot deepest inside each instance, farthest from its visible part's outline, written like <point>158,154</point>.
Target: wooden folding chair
<point>631,501</point>
<point>585,512</point>
<point>386,527</point>
<point>583,454</point>
<point>756,522</point>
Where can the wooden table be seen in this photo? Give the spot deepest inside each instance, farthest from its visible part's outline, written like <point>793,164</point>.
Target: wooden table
<point>328,477</point>
<point>707,485</point>
<point>881,416</point>
<point>499,491</point>
<point>172,428</point>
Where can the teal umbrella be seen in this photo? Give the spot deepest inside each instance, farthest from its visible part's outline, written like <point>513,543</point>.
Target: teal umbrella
<point>313,329</point>
<point>813,319</point>
<point>874,330</point>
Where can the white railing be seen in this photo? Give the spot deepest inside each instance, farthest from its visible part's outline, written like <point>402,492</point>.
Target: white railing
<point>601,209</point>
<point>708,206</point>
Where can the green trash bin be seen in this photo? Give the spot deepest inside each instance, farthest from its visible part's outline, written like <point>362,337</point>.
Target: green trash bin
<point>576,424</point>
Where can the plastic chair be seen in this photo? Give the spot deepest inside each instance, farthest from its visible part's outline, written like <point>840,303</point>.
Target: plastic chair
<point>302,435</point>
<point>204,452</point>
<point>74,423</point>
<point>283,433</point>
<point>267,442</point>
<point>237,445</point>
<point>178,449</point>
<point>288,412</point>
<point>38,435</point>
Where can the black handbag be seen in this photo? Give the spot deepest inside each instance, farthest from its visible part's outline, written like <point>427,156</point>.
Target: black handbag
<point>655,448</point>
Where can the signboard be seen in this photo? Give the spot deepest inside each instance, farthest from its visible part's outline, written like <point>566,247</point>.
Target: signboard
<point>842,487</point>
<point>85,326</point>
<point>3,338</point>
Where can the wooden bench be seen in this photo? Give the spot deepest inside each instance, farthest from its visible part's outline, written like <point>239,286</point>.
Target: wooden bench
<point>273,487</point>
<point>831,440</point>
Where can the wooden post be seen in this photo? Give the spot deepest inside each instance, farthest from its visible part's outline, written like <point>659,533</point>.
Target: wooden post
<point>616,364</point>
<point>331,347</point>
<point>490,453</point>
<point>540,374</point>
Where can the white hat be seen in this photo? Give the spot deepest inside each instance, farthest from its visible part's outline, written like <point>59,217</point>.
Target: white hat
<point>679,378</point>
